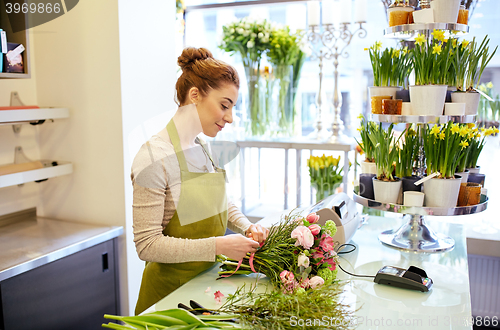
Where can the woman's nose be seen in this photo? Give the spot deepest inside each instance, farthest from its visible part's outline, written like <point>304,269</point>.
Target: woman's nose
<point>228,117</point>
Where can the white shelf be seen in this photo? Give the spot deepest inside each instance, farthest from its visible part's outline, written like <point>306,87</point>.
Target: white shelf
<point>410,31</point>
<point>422,119</point>
<point>49,171</point>
<point>9,117</point>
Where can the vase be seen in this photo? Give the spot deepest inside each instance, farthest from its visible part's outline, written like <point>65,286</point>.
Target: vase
<point>442,192</point>
<point>256,117</point>
<point>398,15</point>
<point>383,90</point>
<point>471,100</point>
<point>474,169</point>
<point>386,191</point>
<point>427,100</point>
<point>366,185</point>
<point>445,11</point>
<point>408,183</point>
<point>368,167</point>
<point>470,194</point>
<point>477,178</point>
<point>323,190</point>
<point>282,113</point>
<point>464,175</point>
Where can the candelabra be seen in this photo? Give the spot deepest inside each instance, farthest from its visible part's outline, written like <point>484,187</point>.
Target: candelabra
<point>329,43</point>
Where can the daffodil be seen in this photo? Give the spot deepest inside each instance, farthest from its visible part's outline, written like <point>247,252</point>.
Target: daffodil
<point>489,85</point>
<point>488,131</point>
<point>463,131</point>
<point>365,49</point>
<point>495,130</point>
<point>471,125</point>
<point>471,135</point>
<point>395,53</point>
<point>454,128</point>
<point>435,130</point>
<point>465,43</point>
<point>442,135</point>
<point>436,49</point>
<point>420,39</point>
<point>454,43</point>
<point>377,45</point>
<point>360,116</point>
<point>464,144</point>
<point>438,34</point>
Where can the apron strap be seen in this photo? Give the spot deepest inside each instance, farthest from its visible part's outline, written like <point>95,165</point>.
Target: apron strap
<point>174,137</point>
<point>202,144</point>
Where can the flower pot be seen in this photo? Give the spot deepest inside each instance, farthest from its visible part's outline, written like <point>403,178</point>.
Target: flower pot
<point>474,170</point>
<point>477,178</point>
<point>454,109</point>
<point>442,192</point>
<point>450,90</point>
<point>413,198</point>
<point>406,109</point>
<point>366,185</point>
<point>471,100</point>
<point>445,11</point>
<point>424,15</point>
<point>386,191</point>
<point>408,183</point>
<point>368,167</point>
<point>383,90</point>
<point>427,99</point>
<point>403,94</point>
<point>464,175</point>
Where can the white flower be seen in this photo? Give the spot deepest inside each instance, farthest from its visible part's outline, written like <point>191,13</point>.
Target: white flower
<point>303,260</point>
<point>253,35</point>
<point>247,26</point>
<point>240,30</point>
<point>316,281</point>
<point>261,35</point>
<point>250,44</point>
<point>231,31</point>
<point>246,33</point>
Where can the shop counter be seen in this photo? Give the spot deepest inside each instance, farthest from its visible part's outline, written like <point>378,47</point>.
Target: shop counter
<point>446,306</point>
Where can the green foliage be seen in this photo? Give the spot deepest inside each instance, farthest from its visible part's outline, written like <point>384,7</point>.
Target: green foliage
<point>407,154</point>
<point>386,152</point>
<point>365,130</point>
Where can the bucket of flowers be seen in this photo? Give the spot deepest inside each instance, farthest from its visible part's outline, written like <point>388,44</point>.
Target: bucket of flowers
<point>297,255</point>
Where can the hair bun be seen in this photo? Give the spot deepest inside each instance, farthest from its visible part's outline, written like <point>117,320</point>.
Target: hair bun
<point>190,55</point>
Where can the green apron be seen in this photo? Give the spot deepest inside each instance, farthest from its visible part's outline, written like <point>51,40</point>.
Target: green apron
<point>205,193</point>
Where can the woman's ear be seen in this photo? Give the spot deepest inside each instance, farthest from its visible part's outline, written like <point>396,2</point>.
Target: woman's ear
<point>194,95</point>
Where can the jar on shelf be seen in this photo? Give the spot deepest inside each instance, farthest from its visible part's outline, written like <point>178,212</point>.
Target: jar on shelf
<point>399,13</point>
<point>463,15</point>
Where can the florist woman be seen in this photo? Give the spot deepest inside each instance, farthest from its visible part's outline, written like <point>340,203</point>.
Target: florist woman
<point>180,211</point>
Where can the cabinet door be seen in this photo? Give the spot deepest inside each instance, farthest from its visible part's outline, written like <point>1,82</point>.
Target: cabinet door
<point>70,293</point>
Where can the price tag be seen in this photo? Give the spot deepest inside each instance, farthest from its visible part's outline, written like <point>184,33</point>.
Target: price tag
<point>3,38</point>
<point>19,49</point>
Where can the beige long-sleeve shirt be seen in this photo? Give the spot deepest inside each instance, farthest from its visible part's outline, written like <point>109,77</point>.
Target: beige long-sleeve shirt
<point>156,180</point>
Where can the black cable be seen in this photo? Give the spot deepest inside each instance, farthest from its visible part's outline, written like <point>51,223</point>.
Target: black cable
<point>345,252</point>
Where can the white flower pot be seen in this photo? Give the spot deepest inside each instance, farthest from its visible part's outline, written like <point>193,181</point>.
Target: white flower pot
<point>474,170</point>
<point>368,167</point>
<point>425,15</point>
<point>386,191</point>
<point>441,192</point>
<point>471,100</point>
<point>445,11</point>
<point>383,90</point>
<point>464,175</point>
<point>427,100</point>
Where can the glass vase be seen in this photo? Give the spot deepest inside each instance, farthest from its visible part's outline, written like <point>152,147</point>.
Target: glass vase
<point>283,114</point>
<point>324,189</point>
<point>257,121</point>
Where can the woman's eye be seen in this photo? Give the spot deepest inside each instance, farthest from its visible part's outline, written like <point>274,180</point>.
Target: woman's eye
<point>224,107</point>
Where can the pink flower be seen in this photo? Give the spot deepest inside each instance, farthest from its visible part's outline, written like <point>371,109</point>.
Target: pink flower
<point>286,277</point>
<point>332,264</point>
<point>305,283</point>
<point>315,229</point>
<point>326,243</point>
<point>312,218</point>
<point>315,282</point>
<point>218,296</point>
<point>304,237</point>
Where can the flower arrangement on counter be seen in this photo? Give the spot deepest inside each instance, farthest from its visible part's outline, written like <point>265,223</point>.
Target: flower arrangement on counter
<point>326,175</point>
<point>297,255</point>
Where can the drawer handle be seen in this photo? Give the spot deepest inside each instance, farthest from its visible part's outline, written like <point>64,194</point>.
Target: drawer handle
<point>105,265</point>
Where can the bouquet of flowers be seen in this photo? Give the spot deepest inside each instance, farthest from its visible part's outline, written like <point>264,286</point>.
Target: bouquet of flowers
<point>297,255</point>
<point>326,175</point>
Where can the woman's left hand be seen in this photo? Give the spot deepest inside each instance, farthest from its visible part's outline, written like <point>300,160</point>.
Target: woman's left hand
<point>257,233</point>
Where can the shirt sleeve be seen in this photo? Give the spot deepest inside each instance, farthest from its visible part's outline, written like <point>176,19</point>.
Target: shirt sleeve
<point>237,221</point>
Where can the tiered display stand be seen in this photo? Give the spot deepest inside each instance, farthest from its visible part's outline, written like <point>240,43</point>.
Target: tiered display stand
<point>415,235</point>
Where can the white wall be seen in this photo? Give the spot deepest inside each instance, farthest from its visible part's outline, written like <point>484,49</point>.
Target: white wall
<point>92,61</point>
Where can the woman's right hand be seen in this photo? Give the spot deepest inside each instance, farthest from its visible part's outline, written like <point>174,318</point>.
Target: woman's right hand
<point>235,246</point>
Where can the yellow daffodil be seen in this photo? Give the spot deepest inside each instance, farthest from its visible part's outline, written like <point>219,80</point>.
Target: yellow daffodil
<point>442,135</point>
<point>436,49</point>
<point>465,43</point>
<point>377,45</point>
<point>438,34</point>
<point>446,40</point>
<point>365,49</point>
<point>471,134</point>
<point>488,131</point>
<point>405,50</point>
<point>464,144</point>
<point>395,53</point>
<point>435,130</point>
<point>495,130</point>
<point>489,85</point>
<point>454,128</point>
<point>360,116</point>
<point>463,131</point>
<point>420,39</point>
<point>454,43</point>
<point>471,125</point>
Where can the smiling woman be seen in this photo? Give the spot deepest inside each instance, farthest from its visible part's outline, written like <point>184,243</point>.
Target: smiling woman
<point>180,210</point>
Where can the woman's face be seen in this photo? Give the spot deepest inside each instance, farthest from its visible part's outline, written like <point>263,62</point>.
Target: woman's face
<point>216,109</point>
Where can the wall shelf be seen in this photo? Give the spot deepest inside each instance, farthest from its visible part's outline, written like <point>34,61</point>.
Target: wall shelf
<point>49,171</point>
<point>9,117</point>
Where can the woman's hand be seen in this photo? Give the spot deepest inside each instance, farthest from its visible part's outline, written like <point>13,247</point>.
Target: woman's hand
<point>235,246</point>
<point>257,233</point>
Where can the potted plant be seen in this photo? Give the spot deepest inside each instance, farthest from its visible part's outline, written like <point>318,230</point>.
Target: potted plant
<point>407,155</point>
<point>442,146</point>
<point>386,187</point>
<point>382,72</point>
<point>430,58</point>
<point>250,38</point>
<point>402,68</point>
<point>470,60</point>
<point>476,144</point>
<point>365,130</point>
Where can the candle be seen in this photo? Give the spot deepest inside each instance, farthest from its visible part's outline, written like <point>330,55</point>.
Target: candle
<point>360,13</point>
<point>327,12</point>
<point>345,11</point>
<point>313,13</point>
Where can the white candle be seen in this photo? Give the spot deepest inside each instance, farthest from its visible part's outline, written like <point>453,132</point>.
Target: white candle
<point>345,11</point>
<point>327,11</point>
<point>313,13</point>
<point>360,12</point>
